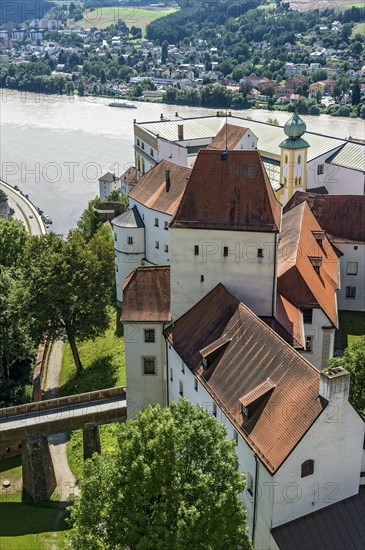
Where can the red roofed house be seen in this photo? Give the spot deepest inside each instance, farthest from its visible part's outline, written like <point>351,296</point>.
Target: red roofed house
<point>192,329</point>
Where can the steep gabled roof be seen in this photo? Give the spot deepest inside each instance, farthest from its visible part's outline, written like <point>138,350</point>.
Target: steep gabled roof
<point>146,295</point>
<point>298,280</point>
<point>253,355</point>
<point>228,137</point>
<point>229,192</point>
<point>109,177</point>
<point>152,191</point>
<point>341,216</point>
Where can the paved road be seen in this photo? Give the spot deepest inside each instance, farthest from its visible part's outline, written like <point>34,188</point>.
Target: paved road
<point>24,210</point>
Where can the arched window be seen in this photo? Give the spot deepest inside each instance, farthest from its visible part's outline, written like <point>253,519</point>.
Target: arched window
<point>300,180</point>
<point>300,159</point>
<point>296,181</point>
<point>285,181</point>
<point>286,159</point>
<point>143,167</point>
<point>307,468</point>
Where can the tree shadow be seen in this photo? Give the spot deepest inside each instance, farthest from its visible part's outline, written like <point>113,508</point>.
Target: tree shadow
<point>19,519</point>
<point>119,328</point>
<point>10,463</point>
<point>100,374</point>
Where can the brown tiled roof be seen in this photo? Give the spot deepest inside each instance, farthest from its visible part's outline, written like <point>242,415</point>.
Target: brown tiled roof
<point>298,280</point>
<point>291,318</point>
<point>340,526</point>
<point>341,216</point>
<point>254,354</point>
<point>129,176</point>
<point>233,194</point>
<point>227,137</point>
<point>146,295</point>
<point>151,189</point>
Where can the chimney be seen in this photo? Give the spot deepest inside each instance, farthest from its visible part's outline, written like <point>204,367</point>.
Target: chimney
<point>161,116</point>
<point>167,179</point>
<point>335,384</point>
<point>180,131</point>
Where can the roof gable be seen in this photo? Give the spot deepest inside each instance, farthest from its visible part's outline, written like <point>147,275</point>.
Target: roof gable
<point>146,295</point>
<point>229,192</point>
<point>228,137</point>
<point>153,192</point>
<point>253,354</point>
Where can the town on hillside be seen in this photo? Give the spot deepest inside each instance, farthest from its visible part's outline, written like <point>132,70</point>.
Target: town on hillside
<point>252,54</point>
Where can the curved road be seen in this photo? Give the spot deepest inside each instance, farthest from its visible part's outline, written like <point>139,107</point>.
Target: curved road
<point>24,210</point>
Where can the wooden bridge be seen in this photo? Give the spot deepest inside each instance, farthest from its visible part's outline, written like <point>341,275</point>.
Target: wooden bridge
<point>33,422</point>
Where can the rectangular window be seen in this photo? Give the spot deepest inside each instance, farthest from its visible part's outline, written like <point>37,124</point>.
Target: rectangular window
<point>157,244</point>
<point>166,226</point>
<point>181,389</point>
<point>182,367</point>
<point>249,483</point>
<point>225,251</point>
<point>350,291</point>
<point>151,152</point>
<point>130,240</point>
<point>196,250</point>
<point>320,169</point>
<point>149,365</point>
<point>115,236</point>
<point>202,278</point>
<point>352,268</point>
<point>156,222</point>
<point>149,335</point>
<point>171,374</point>
<point>307,316</point>
<point>235,437</point>
<point>195,384</point>
<point>166,248</point>
<point>309,343</point>
<point>260,253</point>
<point>138,142</point>
<point>142,145</point>
<point>215,410</point>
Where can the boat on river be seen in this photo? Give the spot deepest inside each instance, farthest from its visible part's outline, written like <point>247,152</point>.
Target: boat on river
<point>122,104</point>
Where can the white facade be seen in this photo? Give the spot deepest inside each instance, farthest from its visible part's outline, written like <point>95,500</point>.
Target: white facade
<point>129,246</point>
<point>250,278</point>
<point>106,187</point>
<point>157,234</point>
<point>319,339</point>
<point>351,297</point>
<point>334,442</point>
<point>144,389</point>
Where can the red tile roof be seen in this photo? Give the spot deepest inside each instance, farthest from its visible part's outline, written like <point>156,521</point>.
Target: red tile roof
<point>233,194</point>
<point>298,281</point>
<point>332,213</point>
<point>152,191</point>
<point>129,176</point>
<point>253,355</point>
<point>291,318</point>
<point>146,295</point>
<point>228,137</point>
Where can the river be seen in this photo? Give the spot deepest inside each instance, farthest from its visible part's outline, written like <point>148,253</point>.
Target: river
<point>56,147</point>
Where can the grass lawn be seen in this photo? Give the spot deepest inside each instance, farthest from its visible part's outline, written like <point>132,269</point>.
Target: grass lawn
<point>75,458</point>
<point>24,527</point>
<point>103,17</point>
<point>352,326</point>
<point>359,28</point>
<point>102,359</point>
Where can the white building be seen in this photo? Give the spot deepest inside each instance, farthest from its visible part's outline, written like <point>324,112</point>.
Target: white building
<point>108,183</point>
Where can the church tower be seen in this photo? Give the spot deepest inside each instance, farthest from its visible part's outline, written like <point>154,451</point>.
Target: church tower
<point>293,162</point>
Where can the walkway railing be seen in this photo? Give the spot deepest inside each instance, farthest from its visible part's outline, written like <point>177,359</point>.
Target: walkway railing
<point>63,402</point>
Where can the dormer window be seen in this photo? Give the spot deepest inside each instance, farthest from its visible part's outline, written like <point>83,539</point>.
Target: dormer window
<point>319,236</point>
<point>316,262</point>
<point>214,350</point>
<point>256,397</point>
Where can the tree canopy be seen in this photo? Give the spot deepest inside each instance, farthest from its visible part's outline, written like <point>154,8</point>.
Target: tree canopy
<point>67,286</point>
<point>353,360</point>
<point>171,483</point>
<point>13,238</point>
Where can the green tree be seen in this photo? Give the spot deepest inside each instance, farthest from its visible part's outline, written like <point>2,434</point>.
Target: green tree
<point>172,483</point>
<point>164,51</point>
<point>13,238</point>
<point>67,286</point>
<point>3,197</point>
<point>15,341</point>
<point>353,360</point>
<point>81,89</point>
<point>356,93</point>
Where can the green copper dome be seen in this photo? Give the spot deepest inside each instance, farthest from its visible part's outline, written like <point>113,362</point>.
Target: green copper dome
<point>295,127</point>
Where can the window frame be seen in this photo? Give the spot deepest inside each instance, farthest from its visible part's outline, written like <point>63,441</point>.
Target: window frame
<point>307,312</point>
<point>320,169</point>
<point>307,468</point>
<point>309,347</point>
<point>129,240</point>
<point>351,292</point>
<point>157,245</point>
<point>149,335</point>
<point>157,223</point>
<point>145,366</point>
<point>356,264</point>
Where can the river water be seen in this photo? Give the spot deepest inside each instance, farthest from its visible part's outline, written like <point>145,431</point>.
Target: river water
<point>55,148</point>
